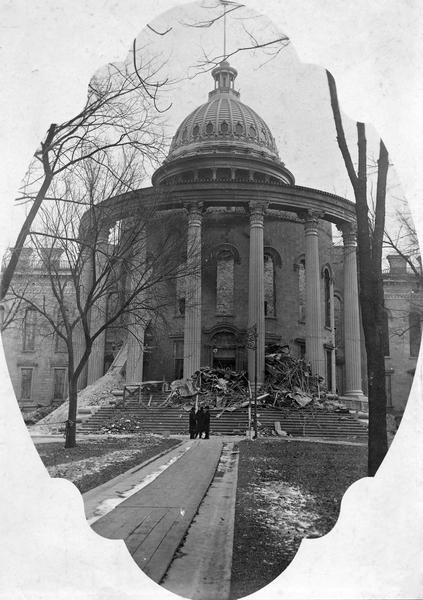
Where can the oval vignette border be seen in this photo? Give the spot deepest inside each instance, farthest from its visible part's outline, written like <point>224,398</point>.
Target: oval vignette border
<point>50,51</point>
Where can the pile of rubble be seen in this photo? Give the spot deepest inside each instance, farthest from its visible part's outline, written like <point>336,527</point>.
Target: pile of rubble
<point>122,425</point>
<point>289,381</point>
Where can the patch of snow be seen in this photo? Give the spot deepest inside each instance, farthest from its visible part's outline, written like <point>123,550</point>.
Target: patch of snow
<point>287,511</point>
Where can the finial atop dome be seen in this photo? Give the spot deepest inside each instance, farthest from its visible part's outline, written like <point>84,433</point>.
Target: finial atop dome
<point>224,77</point>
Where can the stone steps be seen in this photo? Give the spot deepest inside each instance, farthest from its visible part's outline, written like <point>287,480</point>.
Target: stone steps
<point>305,422</point>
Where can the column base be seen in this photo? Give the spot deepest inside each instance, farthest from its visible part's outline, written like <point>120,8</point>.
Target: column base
<point>356,401</point>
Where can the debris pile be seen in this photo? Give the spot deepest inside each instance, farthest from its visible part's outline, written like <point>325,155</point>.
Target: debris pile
<point>122,425</point>
<point>289,382</point>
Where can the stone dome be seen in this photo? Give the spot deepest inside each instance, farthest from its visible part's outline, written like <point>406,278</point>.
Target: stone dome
<point>223,121</point>
<point>223,133</point>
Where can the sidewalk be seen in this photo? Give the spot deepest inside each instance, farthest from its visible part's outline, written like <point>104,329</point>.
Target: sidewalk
<point>154,520</point>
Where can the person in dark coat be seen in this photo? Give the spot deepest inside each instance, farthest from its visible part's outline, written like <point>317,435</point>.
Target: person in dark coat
<point>192,424</point>
<point>200,422</point>
<point>206,427</point>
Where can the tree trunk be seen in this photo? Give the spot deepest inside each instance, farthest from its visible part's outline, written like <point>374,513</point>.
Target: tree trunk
<point>70,437</point>
<point>369,245</point>
<point>23,234</point>
<point>371,300</point>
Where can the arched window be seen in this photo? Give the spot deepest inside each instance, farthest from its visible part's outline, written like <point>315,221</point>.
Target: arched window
<point>29,325</point>
<point>327,291</point>
<point>269,287</point>
<point>415,330</point>
<point>301,291</point>
<point>224,281</point>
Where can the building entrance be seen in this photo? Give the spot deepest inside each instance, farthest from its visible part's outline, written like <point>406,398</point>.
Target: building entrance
<point>224,351</point>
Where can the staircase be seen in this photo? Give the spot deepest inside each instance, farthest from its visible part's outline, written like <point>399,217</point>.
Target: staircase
<point>306,422</point>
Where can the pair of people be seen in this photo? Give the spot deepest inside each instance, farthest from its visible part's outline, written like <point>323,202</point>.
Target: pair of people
<point>199,423</point>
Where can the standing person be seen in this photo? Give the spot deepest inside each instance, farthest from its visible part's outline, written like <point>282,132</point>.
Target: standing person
<point>192,423</point>
<point>206,423</point>
<point>200,422</point>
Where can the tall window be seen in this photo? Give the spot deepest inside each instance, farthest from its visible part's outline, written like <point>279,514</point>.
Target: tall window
<point>269,286</point>
<point>30,321</point>
<point>327,286</point>
<point>59,383</point>
<point>178,357</point>
<point>415,333</point>
<point>224,282</point>
<point>301,291</point>
<point>26,383</point>
<point>385,334</point>
<point>180,296</point>
<point>328,356</point>
<point>59,342</point>
<point>339,330</point>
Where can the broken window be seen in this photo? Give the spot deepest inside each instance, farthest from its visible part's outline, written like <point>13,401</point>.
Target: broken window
<point>269,286</point>
<point>301,291</point>
<point>180,296</point>
<point>224,282</point>
<point>327,287</point>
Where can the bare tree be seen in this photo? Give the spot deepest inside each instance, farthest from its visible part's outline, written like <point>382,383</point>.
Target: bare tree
<point>370,244</point>
<point>122,109</point>
<point>122,280</point>
<point>404,242</point>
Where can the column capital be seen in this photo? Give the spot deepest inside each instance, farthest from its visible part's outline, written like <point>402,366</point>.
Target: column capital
<point>257,212</point>
<point>349,234</point>
<point>195,212</point>
<point>310,219</point>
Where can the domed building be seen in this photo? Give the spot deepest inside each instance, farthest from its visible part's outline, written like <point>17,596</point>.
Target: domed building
<point>268,266</point>
<point>261,269</point>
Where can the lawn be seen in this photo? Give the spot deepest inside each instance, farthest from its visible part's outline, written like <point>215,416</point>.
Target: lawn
<point>92,462</point>
<point>287,490</point>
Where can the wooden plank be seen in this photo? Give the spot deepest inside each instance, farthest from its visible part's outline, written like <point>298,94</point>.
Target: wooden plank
<point>162,557</point>
<point>140,533</point>
<point>155,537</point>
<point>121,522</point>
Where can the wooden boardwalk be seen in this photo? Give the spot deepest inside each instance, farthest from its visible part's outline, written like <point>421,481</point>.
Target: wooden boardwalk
<point>153,521</point>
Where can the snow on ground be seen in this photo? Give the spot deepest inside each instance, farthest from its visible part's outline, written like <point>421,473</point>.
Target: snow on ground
<point>286,511</point>
<point>75,470</point>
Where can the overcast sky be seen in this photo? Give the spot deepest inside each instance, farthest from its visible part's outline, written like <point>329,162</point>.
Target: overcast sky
<point>292,97</point>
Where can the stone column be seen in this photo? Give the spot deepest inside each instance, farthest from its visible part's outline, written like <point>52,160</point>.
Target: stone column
<point>192,325</point>
<point>314,336</point>
<point>137,316</point>
<point>332,326</point>
<point>352,350</point>
<point>99,308</point>
<point>256,289</point>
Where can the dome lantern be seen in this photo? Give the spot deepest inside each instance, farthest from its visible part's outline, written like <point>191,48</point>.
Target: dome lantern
<point>224,80</point>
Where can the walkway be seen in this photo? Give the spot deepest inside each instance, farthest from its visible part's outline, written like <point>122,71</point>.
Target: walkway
<point>160,502</point>
<point>202,567</point>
